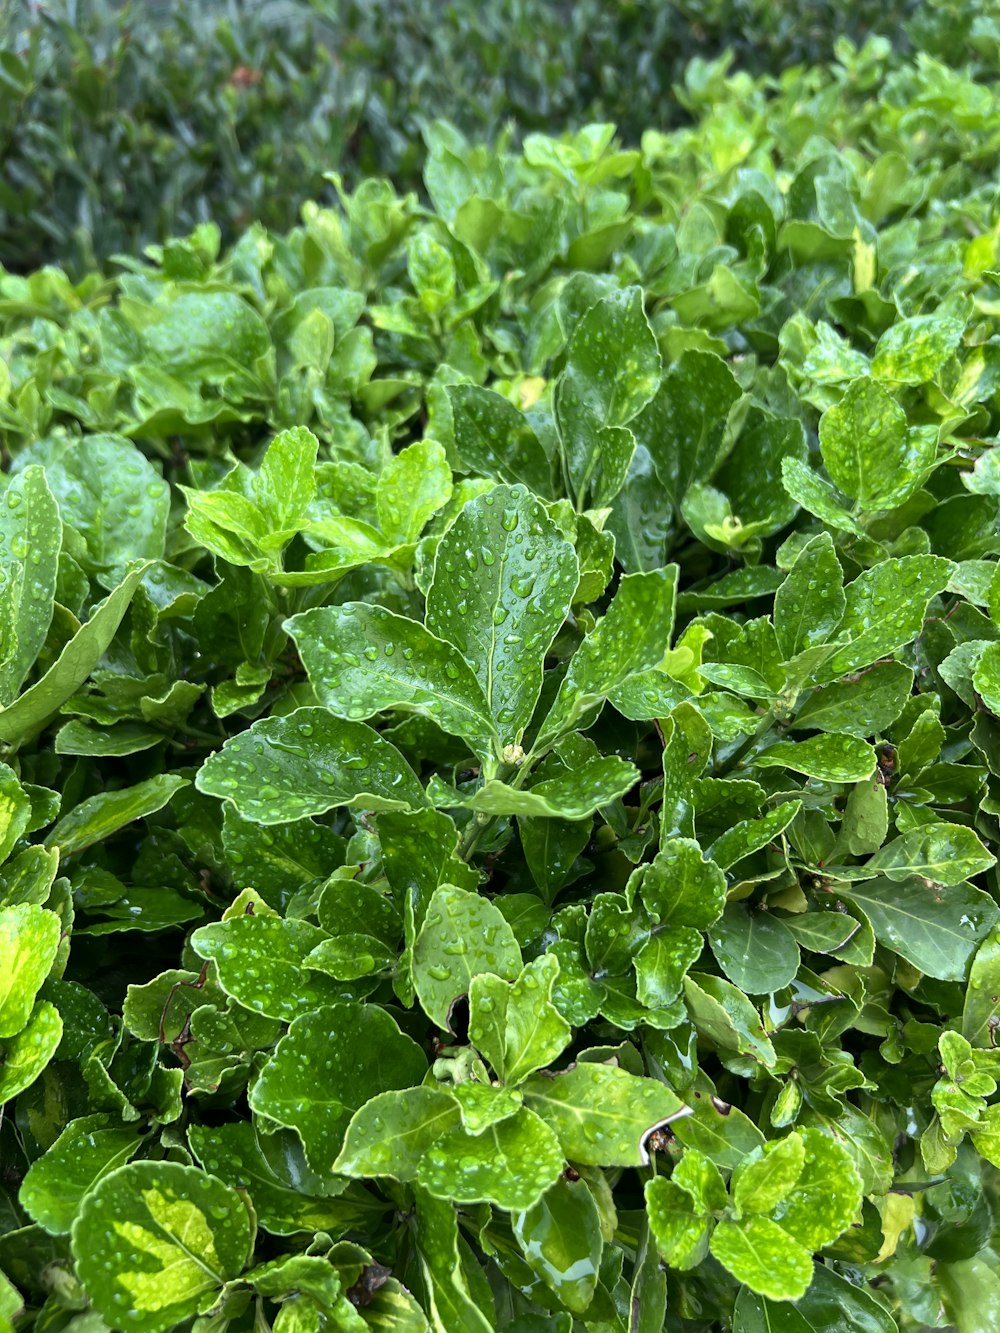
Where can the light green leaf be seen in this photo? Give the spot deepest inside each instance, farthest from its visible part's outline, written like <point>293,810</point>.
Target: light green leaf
<point>943,852</point>
<point>389,1135</point>
<point>868,450</point>
<point>511,1163</point>
<point>935,930</point>
<point>287,768</point>
<point>661,963</point>
<point>986,677</point>
<point>827,1194</point>
<point>261,962</point>
<point>679,1227</point>
<point>760,1253</point>
<point>84,1152</point>
<point>515,1026</point>
<point>24,1056</point>
<point>809,605</point>
<point>504,578</point>
<point>830,757</point>
<point>328,1065</point>
<point>912,351</point>
<point>463,934</point>
<point>285,483</point>
<point>495,440</point>
<point>98,817</point>
<point>768,1175</point>
<point>602,1114</point>
<point>412,487</point>
<point>29,941</point>
<point>560,1238</point>
<point>756,950</point>
<point>362,659</point>
<point>154,1242</point>
<point>981,1013</point>
<point>612,371</point>
<point>632,637</point>
<point>38,704</point>
<point>15,811</point>
<point>29,525</point>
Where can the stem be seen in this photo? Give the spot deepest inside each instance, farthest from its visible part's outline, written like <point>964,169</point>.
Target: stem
<point>739,754</point>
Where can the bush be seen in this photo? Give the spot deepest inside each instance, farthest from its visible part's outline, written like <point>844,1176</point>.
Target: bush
<point>121,126</point>
<point>500,740</point>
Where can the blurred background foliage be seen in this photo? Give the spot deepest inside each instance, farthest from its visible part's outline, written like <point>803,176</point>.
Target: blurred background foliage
<point>121,125</point>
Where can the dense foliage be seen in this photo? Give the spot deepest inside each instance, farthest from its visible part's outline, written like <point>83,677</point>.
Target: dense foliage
<point>500,741</point>
<point>122,125</point>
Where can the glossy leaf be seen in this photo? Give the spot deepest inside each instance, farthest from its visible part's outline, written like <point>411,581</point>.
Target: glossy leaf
<point>510,1164</point>
<point>831,757</point>
<point>364,659</point>
<point>560,1238</point>
<point>29,522</point>
<point>156,1241</point>
<point>515,1026</point>
<point>29,939</point>
<point>329,1064</point>
<point>504,577</point>
<point>287,768</point>
<point>96,818</point>
<point>936,930</point>
<point>461,936</point>
<point>389,1135</point>
<point>86,1150</point>
<point>761,1254</point>
<point>867,449</point>
<point>494,439</point>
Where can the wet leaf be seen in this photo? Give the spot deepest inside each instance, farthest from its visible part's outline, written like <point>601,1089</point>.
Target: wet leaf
<point>461,936</point>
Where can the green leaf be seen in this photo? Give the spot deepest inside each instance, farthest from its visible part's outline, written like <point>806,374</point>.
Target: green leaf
<point>830,757</point>
<point>768,1175</point>
<point>286,1195</point>
<point>886,607</point>
<point>119,523</point>
<point>935,930</point>
<point>868,450</point>
<point>504,578</point>
<point>942,852</point>
<point>756,950</point>
<point>390,1134</point>
<point>29,525</point>
<point>450,1304</point>
<point>154,1243</point>
<point>832,1302</point>
<point>632,637</point>
<point>412,487</point>
<point>29,941</point>
<point>510,1164</point>
<point>827,1194</point>
<point>280,860</point>
<point>25,1055</point>
<point>726,1017</point>
<point>560,1238</point>
<point>287,768</point>
<point>981,1013</point>
<point>809,605</point>
<point>461,936</point>
<point>285,482</point>
<point>573,795</point>
<point>817,496</point>
<point>98,817</point>
<point>84,1152</point>
<point>495,440</point>
<point>38,704</point>
<point>681,888</point>
<point>601,1114</point>
<point>858,707</point>
<point>612,371</point>
<point>761,1254</point>
<point>986,677</point>
<point>679,1228</point>
<point>750,835</point>
<point>262,963</point>
<point>329,1064</point>
<point>515,1026</point>
<point>363,659</point>
<point>914,350</point>
<point>662,962</point>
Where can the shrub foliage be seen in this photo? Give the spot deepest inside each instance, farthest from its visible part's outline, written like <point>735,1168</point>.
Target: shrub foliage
<point>501,745</point>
